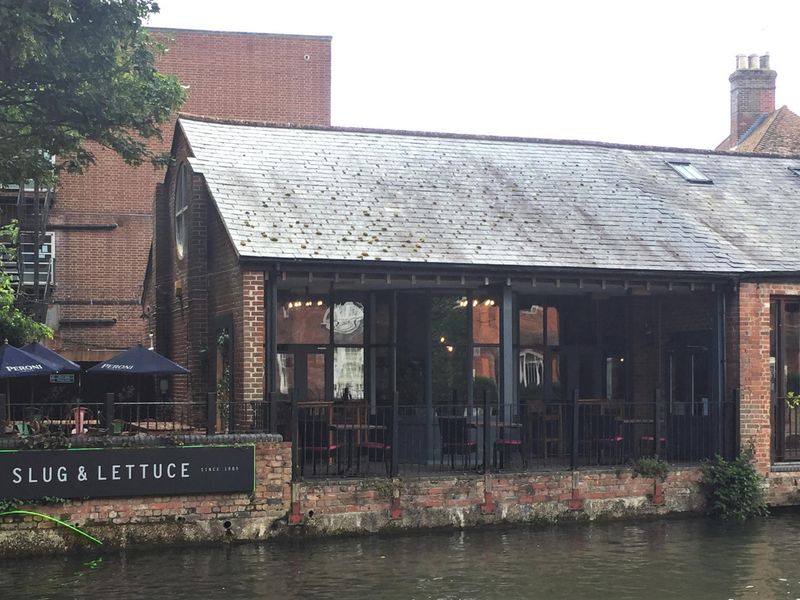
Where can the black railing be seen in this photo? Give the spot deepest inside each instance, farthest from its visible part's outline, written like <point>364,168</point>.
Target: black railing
<point>355,439</point>
<point>785,430</point>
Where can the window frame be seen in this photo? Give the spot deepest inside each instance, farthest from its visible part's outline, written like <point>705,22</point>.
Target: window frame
<point>183,192</point>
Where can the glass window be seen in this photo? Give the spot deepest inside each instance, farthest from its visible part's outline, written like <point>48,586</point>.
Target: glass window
<point>485,376</point>
<point>531,325</point>
<point>553,327</point>
<point>531,375</point>
<point>449,357</point>
<point>485,321</point>
<point>303,321</point>
<point>285,373</point>
<point>348,323</point>
<point>381,319</point>
<point>183,192</point>
<point>348,373</point>
<point>615,377</point>
<point>689,172</point>
<point>790,332</point>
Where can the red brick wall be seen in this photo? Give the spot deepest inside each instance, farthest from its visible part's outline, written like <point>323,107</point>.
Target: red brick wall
<point>234,75</point>
<point>754,365</point>
<point>458,500</point>
<point>143,520</point>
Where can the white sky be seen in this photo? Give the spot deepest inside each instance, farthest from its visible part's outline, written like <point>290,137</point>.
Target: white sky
<point>641,72</point>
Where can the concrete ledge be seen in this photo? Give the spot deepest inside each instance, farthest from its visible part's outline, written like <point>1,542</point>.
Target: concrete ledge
<point>145,440</point>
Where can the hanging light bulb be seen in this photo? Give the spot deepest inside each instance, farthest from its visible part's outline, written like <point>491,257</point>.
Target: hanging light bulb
<point>474,303</point>
<point>441,339</point>
<point>449,348</point>
<point>319,302</point>
<point>308,302</point>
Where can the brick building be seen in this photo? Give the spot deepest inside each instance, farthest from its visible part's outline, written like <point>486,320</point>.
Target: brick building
<point>756,126</point>
<point>599,300</point>
<point>102,220</point>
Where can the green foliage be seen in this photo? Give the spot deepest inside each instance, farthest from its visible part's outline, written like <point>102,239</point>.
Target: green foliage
<point>72,71</point>
<point>792,399</point>
<point>734,490</point>
<point>651,467</point>
<point>16,324</point>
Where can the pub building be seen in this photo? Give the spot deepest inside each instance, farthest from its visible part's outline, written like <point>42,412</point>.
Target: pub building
<point>421,301</point>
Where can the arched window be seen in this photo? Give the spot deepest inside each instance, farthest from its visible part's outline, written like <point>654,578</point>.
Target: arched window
<point>183,192</point>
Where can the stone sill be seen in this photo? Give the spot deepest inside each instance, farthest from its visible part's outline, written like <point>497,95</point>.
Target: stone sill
<point>787,467</point>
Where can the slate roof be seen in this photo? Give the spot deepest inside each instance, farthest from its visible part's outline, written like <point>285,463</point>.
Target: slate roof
<point>359,195</point>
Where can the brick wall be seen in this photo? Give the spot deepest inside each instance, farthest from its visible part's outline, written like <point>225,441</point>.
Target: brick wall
<point>753,357</point>
<point>120,522</point>
<point>329,507</point>
<point>264,77</point>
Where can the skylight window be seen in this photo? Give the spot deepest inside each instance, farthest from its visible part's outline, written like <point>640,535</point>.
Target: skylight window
<point>689,172</point>
<point>795,170</point>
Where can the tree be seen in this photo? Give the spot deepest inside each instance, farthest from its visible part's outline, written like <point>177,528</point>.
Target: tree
<point>73,71</point>
<point>16,325</point>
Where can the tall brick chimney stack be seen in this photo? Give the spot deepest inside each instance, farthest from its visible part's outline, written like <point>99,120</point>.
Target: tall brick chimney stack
<point>752,92</point>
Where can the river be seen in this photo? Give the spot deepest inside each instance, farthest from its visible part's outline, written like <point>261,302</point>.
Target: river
<point>686,559</point>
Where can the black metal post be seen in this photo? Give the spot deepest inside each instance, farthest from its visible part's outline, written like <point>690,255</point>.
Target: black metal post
<point>393,469</point>
<point>394,466</point>
<point>211,413</point>
<point>486,440</point>
<point>656,423</point>
<point>271,347</point>
<point>573,458</point>
<point>3,407</point>
<point>109,411</point>
<point>295,429</point>
<point>737,422</point>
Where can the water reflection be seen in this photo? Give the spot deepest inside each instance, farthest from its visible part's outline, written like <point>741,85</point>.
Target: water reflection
<point>658,559</point>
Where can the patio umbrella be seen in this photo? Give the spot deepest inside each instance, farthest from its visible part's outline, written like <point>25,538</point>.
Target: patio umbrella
<point>44,354</point>
<point>55,360</point>
<point>18,363</point>
<point>138,361</point>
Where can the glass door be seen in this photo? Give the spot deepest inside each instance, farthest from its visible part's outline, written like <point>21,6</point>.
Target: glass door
<point>302,371</point>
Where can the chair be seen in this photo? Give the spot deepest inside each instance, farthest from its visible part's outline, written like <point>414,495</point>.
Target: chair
<point>504,445</point>
<point>454,432</point>
<point>377,442</point>
<point>315,440</point>
<point>647,441</point>
<point>606,438</point>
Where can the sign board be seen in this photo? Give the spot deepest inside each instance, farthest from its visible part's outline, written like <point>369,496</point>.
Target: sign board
<point>122,472</point>
<point>62,378</point>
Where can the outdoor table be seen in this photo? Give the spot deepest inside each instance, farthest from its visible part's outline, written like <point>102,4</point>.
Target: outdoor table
<point>350,429</point>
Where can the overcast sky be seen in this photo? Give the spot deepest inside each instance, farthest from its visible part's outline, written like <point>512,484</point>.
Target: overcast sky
<point>642,72</point>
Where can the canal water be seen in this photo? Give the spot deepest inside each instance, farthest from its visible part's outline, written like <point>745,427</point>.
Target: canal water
<point>683,559</point>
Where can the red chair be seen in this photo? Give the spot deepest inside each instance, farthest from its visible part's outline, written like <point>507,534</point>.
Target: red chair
<point>649,439</point>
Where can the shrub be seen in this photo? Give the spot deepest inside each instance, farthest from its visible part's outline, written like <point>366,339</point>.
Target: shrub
<point>654,467</point>
<point>734,490</point>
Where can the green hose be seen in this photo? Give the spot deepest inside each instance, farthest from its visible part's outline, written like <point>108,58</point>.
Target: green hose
<point>49,518</point>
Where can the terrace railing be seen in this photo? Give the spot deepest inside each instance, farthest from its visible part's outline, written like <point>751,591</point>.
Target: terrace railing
<point>785,431</point>
<point>355,439</point>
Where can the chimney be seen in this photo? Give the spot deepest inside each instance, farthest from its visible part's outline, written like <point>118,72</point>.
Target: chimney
<point>752,93</point>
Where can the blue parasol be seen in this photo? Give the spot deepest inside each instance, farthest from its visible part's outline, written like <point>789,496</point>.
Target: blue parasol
<point>55,360</point>
<point>18,363</point>
<point>138,361</point>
